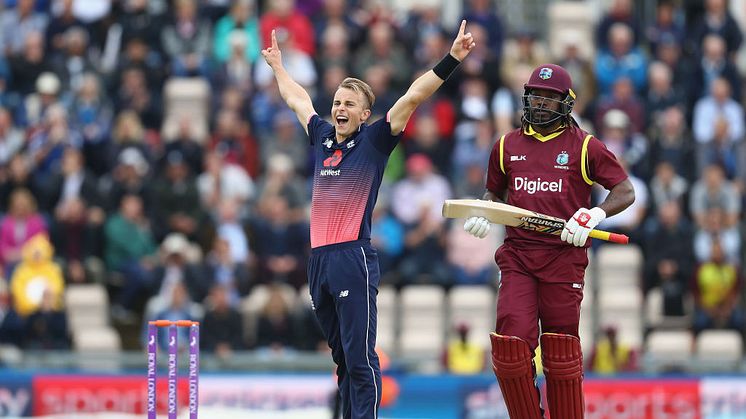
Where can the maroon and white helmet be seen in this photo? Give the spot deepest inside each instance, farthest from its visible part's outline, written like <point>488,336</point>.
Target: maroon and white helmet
<point>553,78</point>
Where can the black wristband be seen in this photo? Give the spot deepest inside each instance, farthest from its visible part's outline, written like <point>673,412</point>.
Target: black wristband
<point>446,66</point>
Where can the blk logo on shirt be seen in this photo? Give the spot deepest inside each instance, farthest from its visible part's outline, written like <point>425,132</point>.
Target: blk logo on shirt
<point>334,160</point>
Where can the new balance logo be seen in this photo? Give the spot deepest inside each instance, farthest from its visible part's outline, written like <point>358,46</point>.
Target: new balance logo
<point>518,158</point>
<point>334,160</point>
<point>344,293</point>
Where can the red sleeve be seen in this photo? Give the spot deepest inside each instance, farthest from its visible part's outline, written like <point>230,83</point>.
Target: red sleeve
<point>497,181</point>
<point>604,167</point>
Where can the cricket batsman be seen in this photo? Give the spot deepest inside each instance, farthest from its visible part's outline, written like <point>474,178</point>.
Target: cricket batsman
<point>548,165</point>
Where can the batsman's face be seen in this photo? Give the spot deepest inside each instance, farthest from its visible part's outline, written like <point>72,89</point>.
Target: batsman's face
<point>349,111</point>
<point>545,104</point>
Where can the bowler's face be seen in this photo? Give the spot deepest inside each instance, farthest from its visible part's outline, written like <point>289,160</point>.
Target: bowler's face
<point>349,111</point>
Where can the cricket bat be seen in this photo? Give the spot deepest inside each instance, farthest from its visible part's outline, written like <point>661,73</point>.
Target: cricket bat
<point>509,215</point>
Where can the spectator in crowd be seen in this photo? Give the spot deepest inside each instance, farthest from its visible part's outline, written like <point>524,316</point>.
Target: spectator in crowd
<point>240,19</point>
<point>19,225</point>
<point>138,53</point>
<point>35,106</point>
<point>48,144</point>
<point>130,250</point>
<point>610,356</point>
<point>128,177</point>
<point>288,140</point>
<point>222,326</point>
<point>139,22</point>
<point>381,49</point>
<point>28,64</point>
<point>134,94</point>
<point>624,98</point>
<point>714,63</point>
<point>74,61</point>
<point>337,13</point>
<point>282,244</point>
<point>661,94</point>
<point>186,41</point>
<point>17,176</point>
<point>46,327</point>
<point>177,207</point>
<point>717,288</point>
<point>233,138</point>
<point>713,190</point>
<point>58,25</point>
<point>713,231</point>
<point>91,112</point>
<point>672,142</point>
<point>280,179</point>
<point>387,235</point>
<point>427,141</point>
<point>507,109</point>
<point>18,23</point>
<point>669,267</point>
<point>284,14</point>
<point>666,185</point>
<point>523,49</point>
<point>666,25</point>
<point>235,72</point>
<point>621,59</point>
<point>185,135</point>
<point>718,122</point>
<point>470,151</point>
<point>470,261</point>
<point>36,275</point>
<point>219,269</point>
<point>229,228</point>
<point>275,331</point>
<point>580,68</point>
<point>416,203</point>
<point>482,61</point>
<point>717,20</point>
<point>462,356</point>
<point>223,181</point>
<point>620,137</point>
<point>620,12</point>
<point>483,13</point>
<point>175,266</point>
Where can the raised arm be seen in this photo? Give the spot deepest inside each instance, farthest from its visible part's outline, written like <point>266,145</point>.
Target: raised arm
<point>428,83</point>
<point>292,93</point>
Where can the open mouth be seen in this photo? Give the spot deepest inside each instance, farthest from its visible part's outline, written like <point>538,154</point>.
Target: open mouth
<point>342,121</point>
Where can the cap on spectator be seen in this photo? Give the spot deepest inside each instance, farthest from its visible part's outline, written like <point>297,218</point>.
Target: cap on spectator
<point>616,119</point>
<point>418,162</point>
<point>48,84</point>
<point>132,157</point>
<point>175,243</point>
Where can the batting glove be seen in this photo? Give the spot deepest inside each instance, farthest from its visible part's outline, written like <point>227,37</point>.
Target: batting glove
<point>477,226</point>
<point>579,226</point>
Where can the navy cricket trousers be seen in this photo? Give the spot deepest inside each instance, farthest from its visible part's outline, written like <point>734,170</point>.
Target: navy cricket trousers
<point>343,280</point>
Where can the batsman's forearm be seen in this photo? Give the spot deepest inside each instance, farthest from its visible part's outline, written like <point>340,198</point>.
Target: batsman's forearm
<point>292,93</point>
<point>620,197</point>
<point>491,196</point>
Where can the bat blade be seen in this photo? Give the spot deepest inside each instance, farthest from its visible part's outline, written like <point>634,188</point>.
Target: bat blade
<point>509,215</point>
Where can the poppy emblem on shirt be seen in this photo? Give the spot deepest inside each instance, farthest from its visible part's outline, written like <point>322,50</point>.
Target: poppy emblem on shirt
<point>563,158</point>
<point>545,73</point>
<point>334,159</point>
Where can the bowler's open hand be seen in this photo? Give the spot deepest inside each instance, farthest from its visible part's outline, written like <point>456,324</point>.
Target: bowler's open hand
<point>579,226</point>
<point>272,55</point>
<point>463,44</point>
<point>477,226</point>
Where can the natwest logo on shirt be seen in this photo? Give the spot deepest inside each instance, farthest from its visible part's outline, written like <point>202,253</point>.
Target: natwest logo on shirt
<point>536,185</point>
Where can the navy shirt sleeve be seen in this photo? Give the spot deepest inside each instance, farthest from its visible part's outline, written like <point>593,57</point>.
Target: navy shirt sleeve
<point>381,137</point>
<point>318,129</point>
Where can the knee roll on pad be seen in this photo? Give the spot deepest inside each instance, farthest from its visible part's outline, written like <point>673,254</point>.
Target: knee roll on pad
<point>512,362</point>
<point>562,359</point>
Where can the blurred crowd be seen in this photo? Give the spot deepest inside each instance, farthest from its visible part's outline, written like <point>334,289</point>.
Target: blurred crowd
<point>184,216</point>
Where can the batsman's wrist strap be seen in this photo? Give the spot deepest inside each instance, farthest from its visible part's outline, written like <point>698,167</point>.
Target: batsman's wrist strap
<point>446,66</point>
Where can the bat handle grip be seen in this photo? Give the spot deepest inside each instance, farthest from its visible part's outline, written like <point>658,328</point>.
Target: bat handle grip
<point>611,237</point>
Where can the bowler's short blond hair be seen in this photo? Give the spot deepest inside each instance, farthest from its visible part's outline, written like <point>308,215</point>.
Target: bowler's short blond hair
<point>359,87</point>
